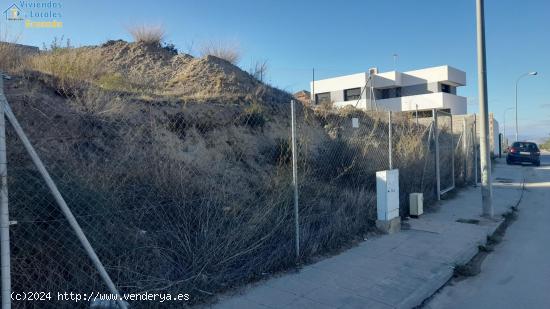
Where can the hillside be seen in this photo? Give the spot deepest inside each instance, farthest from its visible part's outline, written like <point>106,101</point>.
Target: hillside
<point>179,170</point>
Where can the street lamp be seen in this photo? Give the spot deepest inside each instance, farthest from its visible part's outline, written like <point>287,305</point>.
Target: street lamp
<point>510,108</point>
<point>517,82</point>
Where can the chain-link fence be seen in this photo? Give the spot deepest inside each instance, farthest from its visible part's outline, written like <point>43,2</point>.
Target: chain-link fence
<point>339,154</point>
<point>413,144</point>
<point>446,150</point>
<point>466,150</point>
<point>198,198</point>
<point>173,199</point>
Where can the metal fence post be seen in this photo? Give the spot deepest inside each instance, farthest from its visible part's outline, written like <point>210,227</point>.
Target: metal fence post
<point>465,149</point>
<point>452,154</point>
<point>295,177</point>
<point>390,150</point>
<point>437,170</point>
<point>4,210</point>
<point>417,114</point>
<point>475,150</point>
<point>63,205</point>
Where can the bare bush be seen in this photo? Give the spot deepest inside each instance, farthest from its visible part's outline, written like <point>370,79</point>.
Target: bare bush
<point>148,34</point>
<point>259,69</point>
<point>226,50</point>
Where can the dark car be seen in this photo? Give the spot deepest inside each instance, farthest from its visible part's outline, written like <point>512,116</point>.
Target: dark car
<point>523,152</point>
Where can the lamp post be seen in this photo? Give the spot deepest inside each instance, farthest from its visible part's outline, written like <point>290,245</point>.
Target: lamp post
<point>485,159</point>
<point>510,108</point>
<point>517,82</point>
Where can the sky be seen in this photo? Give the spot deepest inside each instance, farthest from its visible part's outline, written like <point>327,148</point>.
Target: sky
<point>341,37</point>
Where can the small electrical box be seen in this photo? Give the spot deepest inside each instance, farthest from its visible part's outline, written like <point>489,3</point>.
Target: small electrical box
<point>387,194</point>
<point>416,204</point>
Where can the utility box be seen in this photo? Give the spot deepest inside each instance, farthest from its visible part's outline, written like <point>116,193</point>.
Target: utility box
<point>387,201</point>
<point>416,204</point>
<point>387,194</point>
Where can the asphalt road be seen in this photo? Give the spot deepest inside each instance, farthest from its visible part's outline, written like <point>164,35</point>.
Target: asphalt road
<point>517,273</point>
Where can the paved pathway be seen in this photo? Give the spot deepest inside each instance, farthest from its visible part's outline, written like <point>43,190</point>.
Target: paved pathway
<point>517,273</point>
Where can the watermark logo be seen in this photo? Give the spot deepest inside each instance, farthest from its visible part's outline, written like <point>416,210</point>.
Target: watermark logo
<point>36,14</point>
<point>13,13</point>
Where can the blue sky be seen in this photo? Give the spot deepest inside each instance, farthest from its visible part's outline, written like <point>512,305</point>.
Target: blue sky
<point>343,37</point>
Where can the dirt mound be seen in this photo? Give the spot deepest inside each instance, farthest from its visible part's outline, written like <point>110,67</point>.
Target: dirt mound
<point>212,76</point>
<point>182,75</point>
<point>140,61</point>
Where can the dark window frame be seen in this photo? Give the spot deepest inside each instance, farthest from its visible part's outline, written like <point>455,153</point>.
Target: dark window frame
<point>319,97</point>
<point>352,97</point>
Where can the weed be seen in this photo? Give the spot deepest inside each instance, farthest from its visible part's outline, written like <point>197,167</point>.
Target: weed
<point>148,34</point>
<point>228,51</point>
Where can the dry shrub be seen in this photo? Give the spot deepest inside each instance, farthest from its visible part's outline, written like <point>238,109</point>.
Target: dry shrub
<point>148,34</point>
<point>98,101</point>
<point>259,69</point>
<point>70,69</point>
<point>226,50</point>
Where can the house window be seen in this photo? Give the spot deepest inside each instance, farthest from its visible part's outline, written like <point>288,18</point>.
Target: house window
<point>322,98</point>
<point>398,92</point>
<point>385,93</point>
<point>445,88</point>
<point>352,94</point>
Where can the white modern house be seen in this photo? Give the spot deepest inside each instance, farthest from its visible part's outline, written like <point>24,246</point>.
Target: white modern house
<point>424,89</point>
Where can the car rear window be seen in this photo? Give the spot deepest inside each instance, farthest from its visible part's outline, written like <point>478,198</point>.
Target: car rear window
<point>527,146</point>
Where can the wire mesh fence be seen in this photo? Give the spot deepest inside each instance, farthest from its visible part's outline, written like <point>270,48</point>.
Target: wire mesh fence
<point>197,199</point>
<point>339,154</point>
<point>179,201</point>
<point>446,149</point>
<point>414,155</point>
<point>466,150</point>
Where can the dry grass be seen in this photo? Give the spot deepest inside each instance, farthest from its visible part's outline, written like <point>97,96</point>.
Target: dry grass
<point>148,34</point>
<point>71,69</point>
<point>226,50</point>
<point>11,57</point>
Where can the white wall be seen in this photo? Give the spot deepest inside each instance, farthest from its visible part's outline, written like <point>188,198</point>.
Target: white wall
<point>339,83</point>
<point>443,73</point>
<point>456,104</point>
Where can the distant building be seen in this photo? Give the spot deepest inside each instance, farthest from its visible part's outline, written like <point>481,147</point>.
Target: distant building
<point>424,89</point>
<point>20,47</point>
<point>303,96</point>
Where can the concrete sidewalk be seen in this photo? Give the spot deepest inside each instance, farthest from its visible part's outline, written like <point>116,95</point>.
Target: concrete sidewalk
<point>391,271</point>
